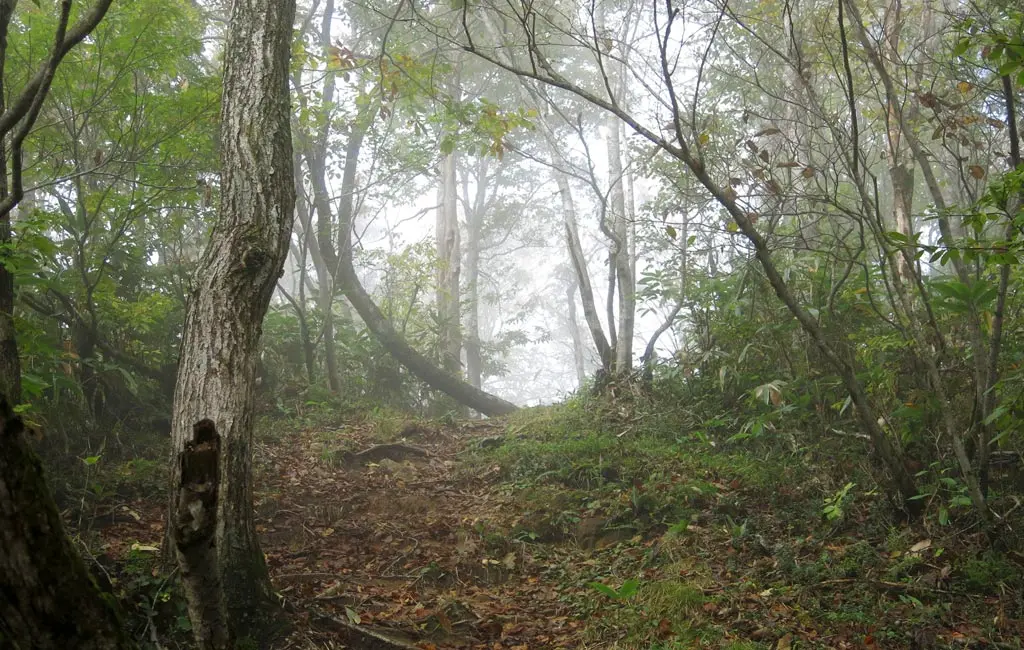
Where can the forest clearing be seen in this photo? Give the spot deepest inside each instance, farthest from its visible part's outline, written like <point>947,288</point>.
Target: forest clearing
<point>515,324</point>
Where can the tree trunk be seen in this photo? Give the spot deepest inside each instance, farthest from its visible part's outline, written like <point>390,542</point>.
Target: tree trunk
<point>901,169</point>
<point>574,332</point>
<point>375,320</point>
<point>620,254</point>
<point>449,263</point>
<point>419,365</point>
<point>579,265</point>
<point>324,288</point>
<point>316,158</point>
<point>616,225</point>
<point>195,537</point>
<point>310,244</point>
<point>474,229</point>
<point>233,286</point>
<point>49,601</point>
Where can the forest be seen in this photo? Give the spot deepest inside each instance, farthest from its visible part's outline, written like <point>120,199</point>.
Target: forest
<point>522,324</point>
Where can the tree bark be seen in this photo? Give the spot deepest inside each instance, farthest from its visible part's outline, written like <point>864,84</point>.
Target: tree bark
<point>579,265</point>
<point>50,601</point>
<point>620,251</point>
<point>233,286</point>
<point>324,282</point>
<point>195,537</point>
<point>574,332</point>
<point>418,364</point>
<point>901,170</point>
<point>618,230</point>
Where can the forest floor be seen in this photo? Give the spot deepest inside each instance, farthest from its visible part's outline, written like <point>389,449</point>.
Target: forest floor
<point>533,532</point>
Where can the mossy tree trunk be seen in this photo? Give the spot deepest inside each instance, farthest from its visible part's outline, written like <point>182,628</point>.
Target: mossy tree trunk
<point>233,286</point>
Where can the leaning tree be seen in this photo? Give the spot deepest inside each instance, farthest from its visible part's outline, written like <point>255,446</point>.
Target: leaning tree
<point>231,293</point>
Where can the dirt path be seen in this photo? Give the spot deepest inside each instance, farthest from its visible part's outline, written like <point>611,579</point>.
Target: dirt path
<point>574,546</point>
<point>402,541</point>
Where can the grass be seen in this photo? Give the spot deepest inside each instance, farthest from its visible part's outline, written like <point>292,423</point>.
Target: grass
<point>743,521</point>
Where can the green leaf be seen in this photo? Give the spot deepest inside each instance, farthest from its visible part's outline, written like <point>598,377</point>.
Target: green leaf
<point>1008,68</point>
<point>995,415</point>
<point>629,588</point>
<point>92,460</point>
<point>352,616</point>
<point>604,589</point>
<point>33,385</point>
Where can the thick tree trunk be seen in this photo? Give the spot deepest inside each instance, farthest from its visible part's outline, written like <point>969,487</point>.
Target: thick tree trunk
<point>48,600</point>
<point>216,374</point>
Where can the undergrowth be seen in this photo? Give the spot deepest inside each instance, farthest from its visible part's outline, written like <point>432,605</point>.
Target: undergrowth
<point>739,542</point>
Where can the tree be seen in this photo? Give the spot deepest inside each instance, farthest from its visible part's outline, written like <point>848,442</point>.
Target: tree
<point>382,328</point>
<point>234,283</point>
<point>50,601</point>
<point>17,118</point>
<point>677,134</point>
<point>315,147</point>
<point>120,171</point>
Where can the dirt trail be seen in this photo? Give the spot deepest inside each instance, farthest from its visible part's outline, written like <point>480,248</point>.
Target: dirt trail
<point>421,540</point>
<point>402,543</point>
